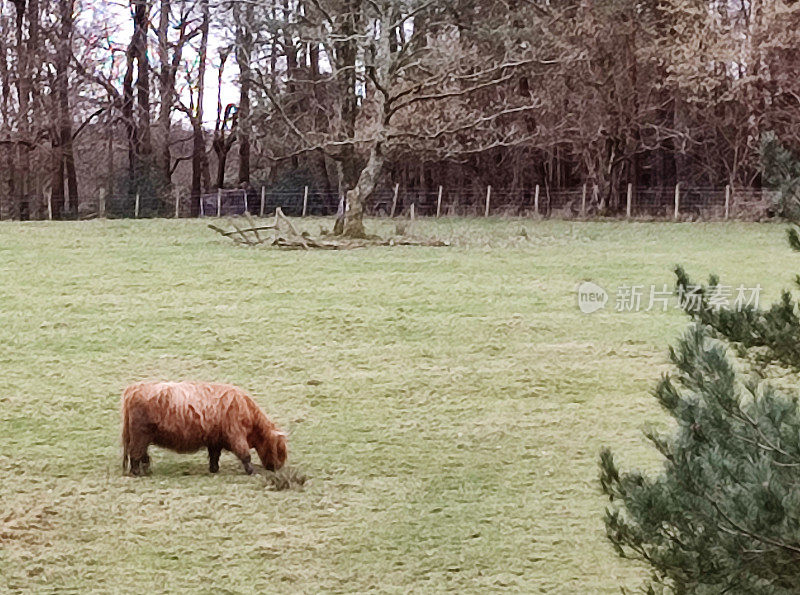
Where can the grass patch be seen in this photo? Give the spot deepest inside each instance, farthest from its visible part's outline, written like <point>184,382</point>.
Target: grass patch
<point>446,405</point>
<point>285,478</point>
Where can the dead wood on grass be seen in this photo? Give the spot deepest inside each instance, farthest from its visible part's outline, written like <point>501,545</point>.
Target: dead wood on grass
<point>285,235</point>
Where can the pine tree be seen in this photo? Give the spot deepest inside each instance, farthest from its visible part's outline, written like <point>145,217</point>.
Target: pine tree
<point>724,514</point>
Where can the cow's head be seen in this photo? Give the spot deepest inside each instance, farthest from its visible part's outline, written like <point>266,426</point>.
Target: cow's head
<point>271,448</point>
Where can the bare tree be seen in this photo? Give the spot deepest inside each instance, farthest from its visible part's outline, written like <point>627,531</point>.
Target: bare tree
<point>63,156</point>
<point>362,94</point>
<point>244,21</point>
<point>389,60</point>
<point>176,16</point>
<point>199,155</point>
<point>136,112</point>
<point>225,126</point>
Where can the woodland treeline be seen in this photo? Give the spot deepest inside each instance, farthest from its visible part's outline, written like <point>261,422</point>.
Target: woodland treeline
<point>353,96</point>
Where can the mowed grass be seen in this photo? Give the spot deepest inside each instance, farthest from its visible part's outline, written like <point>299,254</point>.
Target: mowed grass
<point>446,404</point>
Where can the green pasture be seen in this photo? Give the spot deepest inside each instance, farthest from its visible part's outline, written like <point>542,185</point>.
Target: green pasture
<point>447,404</point>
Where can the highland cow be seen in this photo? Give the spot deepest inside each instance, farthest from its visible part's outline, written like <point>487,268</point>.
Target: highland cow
<point>187,416</point>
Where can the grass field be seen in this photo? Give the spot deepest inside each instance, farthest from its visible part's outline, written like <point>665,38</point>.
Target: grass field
<point>446,404</point>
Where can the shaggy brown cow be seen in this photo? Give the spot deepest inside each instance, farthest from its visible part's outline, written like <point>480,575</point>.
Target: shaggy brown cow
<point>186,416</point>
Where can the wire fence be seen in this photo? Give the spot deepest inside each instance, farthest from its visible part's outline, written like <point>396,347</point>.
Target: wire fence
<point>656,203</point>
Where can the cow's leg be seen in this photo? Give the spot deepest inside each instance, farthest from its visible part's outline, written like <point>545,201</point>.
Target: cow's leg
<point>242,450</point>
<point>140,439</point>
<point>140,460</point>
<point>213,458</point>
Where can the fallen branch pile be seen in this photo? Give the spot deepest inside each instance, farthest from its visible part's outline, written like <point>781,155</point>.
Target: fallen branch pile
<point>284,234</point>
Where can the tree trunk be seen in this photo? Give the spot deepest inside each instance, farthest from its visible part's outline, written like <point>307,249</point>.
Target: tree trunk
<point>8,165</point>
<point>57,178</point>
<point>221,144</point>
<point>64,153</point>
<point>346,24</point>
<point>69,167</point>
<point>128,119</point>
<point>136,113</point>
<point>166,81</point>
<point>244,48</point>
<point>357,197</point>
<point>199,159</point>
<point>167,77</point>
<point>110,173</point>
<point>681,159</point>
<point>378,81</point>
<point>140,26</point>
<point>24,86</point>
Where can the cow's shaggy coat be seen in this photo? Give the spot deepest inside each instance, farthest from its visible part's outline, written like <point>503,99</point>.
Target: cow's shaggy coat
<point>187,416</point>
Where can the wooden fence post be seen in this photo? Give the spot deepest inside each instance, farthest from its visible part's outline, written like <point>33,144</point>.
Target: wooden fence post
<point>727,201</point>
<point>536,201</point>
<point>305,200</point>
<point>629,200</point>
<point>488,200</point>
<point>136,207</point>
<point>439,203</point>
<point>219,202</point>
<point>583,202</point>
<point>677,200</point>
<point>202,207</point>
<point>394,199</point>
<point>412,212</point>
<point>50,205</point>
<point>261,210</point>
<point>246,209</point>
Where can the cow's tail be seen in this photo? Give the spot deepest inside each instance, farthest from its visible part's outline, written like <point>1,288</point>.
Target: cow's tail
<point>125,414</point>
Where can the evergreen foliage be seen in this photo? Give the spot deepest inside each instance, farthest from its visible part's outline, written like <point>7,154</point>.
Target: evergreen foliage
<point>723,516</point>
